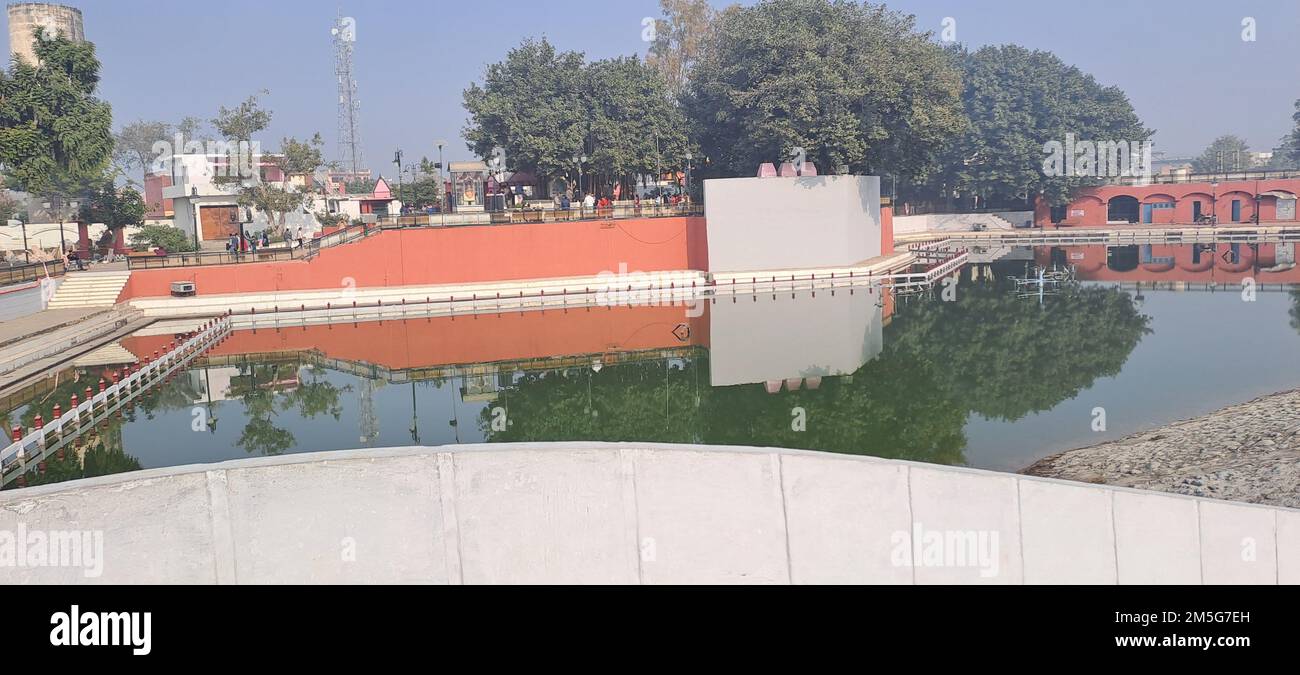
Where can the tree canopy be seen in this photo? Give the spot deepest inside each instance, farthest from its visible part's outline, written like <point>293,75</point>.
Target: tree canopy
<point>544,107</point>
<point>114,207</point>
<point>133,146</point>
<point>1226,153</point>
<point>850,84</point>
<point>55,136</point>
<point>678,39</point>
<point>1017,100</point>
<point>530,104</point>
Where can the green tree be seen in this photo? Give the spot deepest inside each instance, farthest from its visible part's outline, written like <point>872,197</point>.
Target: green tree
<point>1016,101</point>
<point>165,236</point>
<point>296,158</point>
<point>9,207</point>
<point>634,127</point>
<point>1287,153</point>
<point>1226,153</point>
<point>532,106</point>
<point>243,121</point>
<point>238,125</point>
<point>618,112</point>
<point>115,208</point>
<point>300,158</point>
<point>359,187</point>
<point>850,84</point>
<point>134,146</point>
<point>679,38</point>
<point>55,136</point>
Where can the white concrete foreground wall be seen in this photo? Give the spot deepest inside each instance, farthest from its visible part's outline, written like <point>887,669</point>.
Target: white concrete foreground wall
<point>638,513</point>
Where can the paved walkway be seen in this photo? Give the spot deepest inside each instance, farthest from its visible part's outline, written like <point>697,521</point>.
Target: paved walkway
<point>36,324</point>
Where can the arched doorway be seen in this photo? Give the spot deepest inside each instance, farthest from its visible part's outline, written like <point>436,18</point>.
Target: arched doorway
<point>1122,209</point>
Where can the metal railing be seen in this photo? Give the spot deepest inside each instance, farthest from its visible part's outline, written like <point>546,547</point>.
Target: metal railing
<point>17,274</point>
<point>82,415</point>
<point>551,215</point>
<point>1216,177</point>
<point>205,258</point>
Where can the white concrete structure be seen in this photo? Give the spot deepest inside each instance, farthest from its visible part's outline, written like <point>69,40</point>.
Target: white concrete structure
<point>637,513</point>
<point>816,336</point>
<point>797,222</point>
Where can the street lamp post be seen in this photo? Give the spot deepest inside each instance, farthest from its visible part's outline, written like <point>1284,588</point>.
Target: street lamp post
<point>689,157</point>
<point>442,186</point>
<point>62,215</point>
<point>580,160</point>
<point>1214,204</point>
<point>1257,200</point>
<point>397,159</point>
<point>27,256</point>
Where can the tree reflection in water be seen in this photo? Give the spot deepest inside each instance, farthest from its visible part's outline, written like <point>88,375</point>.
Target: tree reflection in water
<point>268,389</point>
<point>988,353</point>
<point>1295,309</point>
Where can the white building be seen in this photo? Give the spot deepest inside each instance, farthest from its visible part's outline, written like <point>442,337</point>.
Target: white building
<point>209,208</point>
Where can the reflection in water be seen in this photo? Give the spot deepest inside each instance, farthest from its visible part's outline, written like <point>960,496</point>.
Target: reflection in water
<point>1295,309</point>
<point>970,381</point>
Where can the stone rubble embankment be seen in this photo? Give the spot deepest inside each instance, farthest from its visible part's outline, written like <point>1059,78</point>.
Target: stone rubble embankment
<point>1245,453</point>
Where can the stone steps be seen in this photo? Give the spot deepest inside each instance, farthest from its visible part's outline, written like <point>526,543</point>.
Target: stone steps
<point>89,289</point>
<point>343,297</point>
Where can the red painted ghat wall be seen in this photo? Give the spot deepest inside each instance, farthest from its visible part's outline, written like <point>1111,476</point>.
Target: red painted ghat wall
<point>458,255</point>
<point>487,338</point>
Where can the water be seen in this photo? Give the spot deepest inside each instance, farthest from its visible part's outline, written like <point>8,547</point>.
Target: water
<point>995,379</point>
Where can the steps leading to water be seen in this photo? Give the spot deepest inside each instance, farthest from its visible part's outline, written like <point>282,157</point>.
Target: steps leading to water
<point>577,289</point>
<point>89,289</point>
<point>110,354</point>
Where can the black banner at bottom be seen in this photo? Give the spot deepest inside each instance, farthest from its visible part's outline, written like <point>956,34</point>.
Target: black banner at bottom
<point>330,624</point>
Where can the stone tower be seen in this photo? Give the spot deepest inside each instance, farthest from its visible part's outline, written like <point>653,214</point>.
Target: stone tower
<point>26,17</point>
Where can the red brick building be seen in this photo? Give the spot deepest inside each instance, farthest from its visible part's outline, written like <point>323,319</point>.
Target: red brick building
<point>1176,203</point>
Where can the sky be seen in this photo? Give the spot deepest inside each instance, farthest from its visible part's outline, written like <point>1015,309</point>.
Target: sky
<point>1183,63</point>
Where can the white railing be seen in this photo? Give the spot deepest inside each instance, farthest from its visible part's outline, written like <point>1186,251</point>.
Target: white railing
<point>80,417</point>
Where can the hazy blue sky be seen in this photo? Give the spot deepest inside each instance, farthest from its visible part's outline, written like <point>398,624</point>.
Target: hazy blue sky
<point>1182,62</point>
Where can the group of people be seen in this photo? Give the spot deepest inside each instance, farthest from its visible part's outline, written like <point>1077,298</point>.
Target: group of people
<point>293,236</point>
<point>72,260</point>
<point>590,203</point>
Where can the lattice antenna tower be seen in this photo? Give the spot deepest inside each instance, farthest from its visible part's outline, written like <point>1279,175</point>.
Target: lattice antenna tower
<point>350,155</point>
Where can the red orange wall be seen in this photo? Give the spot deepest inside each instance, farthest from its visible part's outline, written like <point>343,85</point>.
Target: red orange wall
<point>458,255</point>
<point>1093,202</point>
